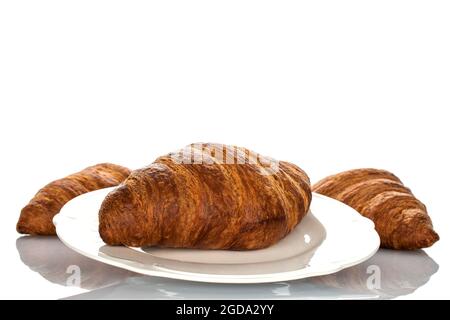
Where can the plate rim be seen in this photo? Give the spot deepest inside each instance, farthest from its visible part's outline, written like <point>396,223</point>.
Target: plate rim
<point>301,273</point>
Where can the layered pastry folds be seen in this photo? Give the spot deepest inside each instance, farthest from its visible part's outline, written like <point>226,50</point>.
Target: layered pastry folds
<point>36,217</point>
<point>401,220</point>
<point>221,198</point>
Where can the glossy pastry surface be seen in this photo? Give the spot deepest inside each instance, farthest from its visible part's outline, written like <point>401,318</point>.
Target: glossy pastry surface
<point>219,200</point>
<point>401,220</point>
<point>36,217</point>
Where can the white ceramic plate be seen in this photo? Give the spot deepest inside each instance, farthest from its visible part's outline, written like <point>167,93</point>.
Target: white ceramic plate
<point>330,238</point>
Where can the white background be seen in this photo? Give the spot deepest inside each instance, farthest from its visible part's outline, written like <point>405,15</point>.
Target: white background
<point>328,85</point>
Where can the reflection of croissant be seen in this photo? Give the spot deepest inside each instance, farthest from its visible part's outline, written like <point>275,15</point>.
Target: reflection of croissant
<point>400,273</point>
<point>36,217</point>
<point>400,219</point>
<point>212,205</point>
<point>52,260</point>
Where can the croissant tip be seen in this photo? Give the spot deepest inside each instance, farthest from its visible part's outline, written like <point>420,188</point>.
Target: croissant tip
<point>20,228</point>
<point>431,237</point>
<point>23,225</point>
<point>424,237</point>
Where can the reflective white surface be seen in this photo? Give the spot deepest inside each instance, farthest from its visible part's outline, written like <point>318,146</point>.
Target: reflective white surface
<point>317,246</point>
<point>330,87</point>
<point>401,273</point>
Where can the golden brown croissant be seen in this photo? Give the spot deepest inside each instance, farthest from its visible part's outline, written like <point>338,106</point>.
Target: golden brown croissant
<point>401,220</point>
<point>215,201</point>
<point>36,217</point>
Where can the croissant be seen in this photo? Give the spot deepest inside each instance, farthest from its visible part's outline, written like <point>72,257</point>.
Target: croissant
<point>221,198</point>
<point>401,220</point>
<point>36,217</point>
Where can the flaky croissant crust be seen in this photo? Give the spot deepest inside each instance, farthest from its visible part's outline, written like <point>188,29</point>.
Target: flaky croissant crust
<point>206,206</point>
<point>401,220</point>
<point>36,217</point>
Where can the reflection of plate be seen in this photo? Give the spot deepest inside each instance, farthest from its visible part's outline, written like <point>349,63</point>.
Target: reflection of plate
<point>401,273</point>
<point>331,237</point>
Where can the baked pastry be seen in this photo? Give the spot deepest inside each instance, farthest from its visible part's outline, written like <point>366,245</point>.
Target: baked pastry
<point>222,199</point>
<point>401,220</point>
<point>36,217</point>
